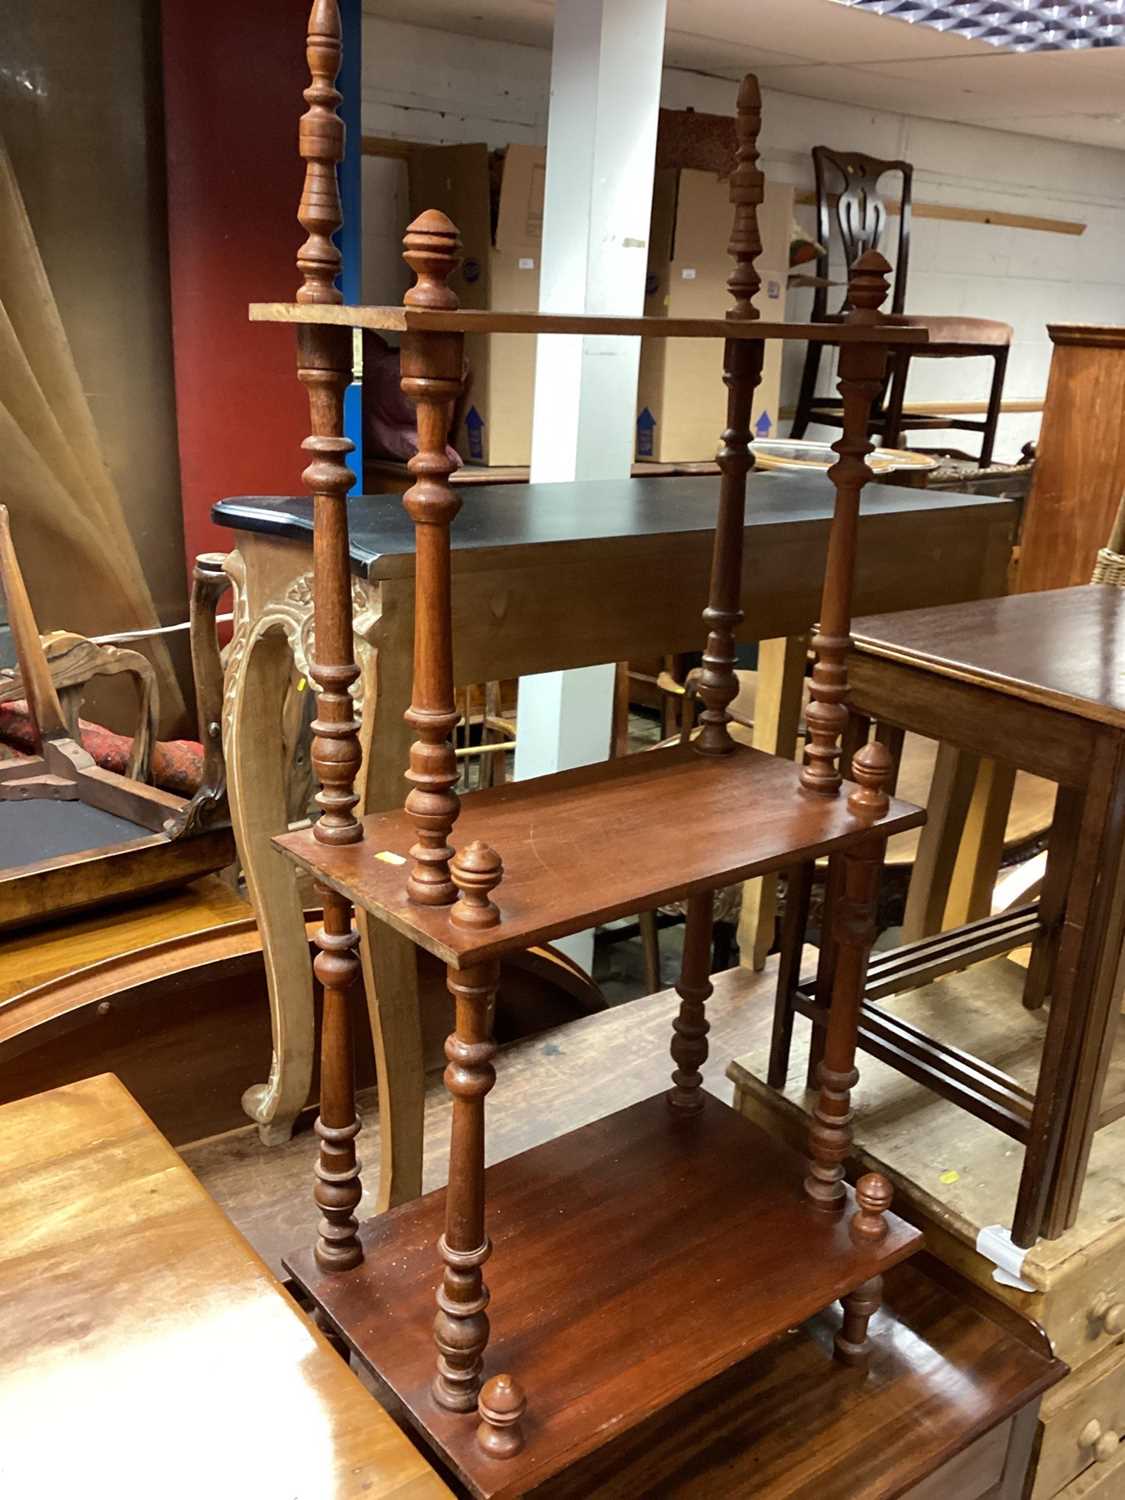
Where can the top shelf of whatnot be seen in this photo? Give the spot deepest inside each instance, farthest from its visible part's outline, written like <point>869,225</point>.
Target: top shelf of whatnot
<point>472,320</point>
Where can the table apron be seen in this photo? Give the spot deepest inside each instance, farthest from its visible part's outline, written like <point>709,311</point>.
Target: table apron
<point>983,720</point>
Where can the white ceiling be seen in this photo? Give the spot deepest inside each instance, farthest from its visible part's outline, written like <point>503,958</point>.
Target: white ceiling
<point>828,51</point>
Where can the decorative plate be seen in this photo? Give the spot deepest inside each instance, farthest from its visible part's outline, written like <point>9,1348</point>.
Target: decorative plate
<point>796,453</point>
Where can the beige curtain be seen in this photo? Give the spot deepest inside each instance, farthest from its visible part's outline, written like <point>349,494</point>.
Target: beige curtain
<point>81,566</point>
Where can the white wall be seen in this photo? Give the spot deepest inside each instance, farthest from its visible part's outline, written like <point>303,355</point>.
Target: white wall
<point>422,84</point>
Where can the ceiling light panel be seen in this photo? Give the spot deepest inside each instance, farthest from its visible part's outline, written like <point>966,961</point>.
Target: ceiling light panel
<point>1016,25</point>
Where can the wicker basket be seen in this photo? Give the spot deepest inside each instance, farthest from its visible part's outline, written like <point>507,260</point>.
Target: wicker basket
<point>1109,568</point>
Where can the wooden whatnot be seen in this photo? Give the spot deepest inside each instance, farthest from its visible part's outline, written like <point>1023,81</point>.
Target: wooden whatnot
<point>677,1180</point>
<point>324,368</point>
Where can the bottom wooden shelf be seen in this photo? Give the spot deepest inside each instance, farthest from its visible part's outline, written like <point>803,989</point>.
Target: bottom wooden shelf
<point>633,1260</point>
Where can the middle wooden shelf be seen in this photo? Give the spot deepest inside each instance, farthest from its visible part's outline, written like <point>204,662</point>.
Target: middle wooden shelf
<point>600,842</point>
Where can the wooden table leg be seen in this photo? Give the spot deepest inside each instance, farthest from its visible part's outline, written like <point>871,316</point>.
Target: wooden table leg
<point>259,672</point>
<point>1083,1009</point>
<point>390,963</point>
<point>1061,851</point>
<point>946,808</point>
<point>982,845</point>
<point>777,719</point>
<point>798,894</point>
<point>1095,914</point>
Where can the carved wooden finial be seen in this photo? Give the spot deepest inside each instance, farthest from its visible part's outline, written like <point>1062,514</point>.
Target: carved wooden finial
<point>747,188</point>
<point>476,872</point>
<point>872,767</point>
<point>321,143</point>
<point>432,250</point>
<point>501,1405</point>
<point>873,1193</point>
<point>868,286</point>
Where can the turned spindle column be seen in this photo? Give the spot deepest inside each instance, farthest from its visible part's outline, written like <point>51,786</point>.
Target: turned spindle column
<point>432,371</point>
<point>851,1345</point>
<point>862,369</point>
<point>690,1028</point>
<point>853,875</point>
<point>324,367</point>
<point>873,1194</point>
<point>747,189</point>
<point>742,371</point>
<point>461,1322</point>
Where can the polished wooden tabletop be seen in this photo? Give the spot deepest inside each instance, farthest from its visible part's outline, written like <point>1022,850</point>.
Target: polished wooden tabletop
<point>1062,647</point>
<point>497,523</point>
<point>144,1348</point>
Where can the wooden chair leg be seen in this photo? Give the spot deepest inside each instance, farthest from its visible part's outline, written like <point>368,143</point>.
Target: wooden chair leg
<point>798,892</point>
<point>995,397</point>
<point>722,947</point>
<point>825,970</point>
<point>851,1345</point>
<point>648,922</point>
<point>891,433</point>
<point>804,413</point>
<point>689,1042</point>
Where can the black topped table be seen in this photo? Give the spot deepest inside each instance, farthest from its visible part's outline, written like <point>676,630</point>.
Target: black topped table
<point>545,577</point>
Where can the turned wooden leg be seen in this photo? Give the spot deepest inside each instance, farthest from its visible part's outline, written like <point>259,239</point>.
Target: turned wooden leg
<point>852,934</point>
<point>461,1324</point>
<point>338,1188</point>
<point>689,1043</point>
<point>851,1344</point>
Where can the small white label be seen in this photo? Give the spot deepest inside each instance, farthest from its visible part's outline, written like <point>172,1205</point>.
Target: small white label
<point>526,263</point>
<point>390,859</point>
<point>688,273</point>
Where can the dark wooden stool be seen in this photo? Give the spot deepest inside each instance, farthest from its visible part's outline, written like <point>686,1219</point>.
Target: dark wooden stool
<point>1036,681</point>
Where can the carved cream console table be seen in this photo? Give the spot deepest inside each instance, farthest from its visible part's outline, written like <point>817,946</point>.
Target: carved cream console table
<point>537,587</point>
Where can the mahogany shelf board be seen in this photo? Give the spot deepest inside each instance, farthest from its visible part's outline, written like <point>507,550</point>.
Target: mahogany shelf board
<point>600,842</point>
<point>930,1411</point>
<point>1064,648</point>
<point>475,320</point>
<point>634,1259</point>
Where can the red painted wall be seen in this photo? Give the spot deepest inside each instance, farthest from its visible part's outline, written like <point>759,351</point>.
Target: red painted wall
<point>233,76</point>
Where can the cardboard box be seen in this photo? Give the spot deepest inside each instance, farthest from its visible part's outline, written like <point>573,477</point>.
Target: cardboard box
<point>681,401</point>
<point>500,271</point>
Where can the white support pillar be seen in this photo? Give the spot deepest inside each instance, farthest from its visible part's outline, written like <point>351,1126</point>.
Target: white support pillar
<point>601,146</point>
